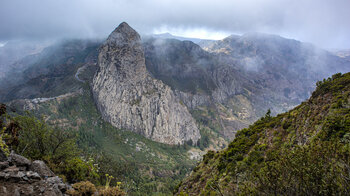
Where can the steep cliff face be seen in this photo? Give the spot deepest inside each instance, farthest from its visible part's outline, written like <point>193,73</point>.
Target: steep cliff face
<point>240,77</point>
<point>128,97</point>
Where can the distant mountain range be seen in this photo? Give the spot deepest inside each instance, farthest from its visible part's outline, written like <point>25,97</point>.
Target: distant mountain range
<point>239,77</point>
<point>120,94</point>
<point>170,36</point>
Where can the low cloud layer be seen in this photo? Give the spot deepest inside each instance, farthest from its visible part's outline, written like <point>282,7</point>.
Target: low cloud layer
<point>322,22</point>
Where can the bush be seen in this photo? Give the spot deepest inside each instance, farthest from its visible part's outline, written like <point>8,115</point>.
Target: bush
<point>38,141</point>
<point>111,191</point>
<point>207,157</point>
<point>77,170</point>
<point>85,188</point>
<point>321,168</point>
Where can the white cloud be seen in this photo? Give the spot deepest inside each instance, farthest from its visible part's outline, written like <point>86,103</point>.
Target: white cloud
<point>2,44</point>
<point>196,32</point>
<point>323,22</point>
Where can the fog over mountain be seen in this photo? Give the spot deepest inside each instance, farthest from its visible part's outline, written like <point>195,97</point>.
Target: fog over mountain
<point>321,22</point>
<point>132,109</point>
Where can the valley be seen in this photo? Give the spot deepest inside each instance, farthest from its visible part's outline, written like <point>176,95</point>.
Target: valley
<point>303,151</point>
<point>147,109</point>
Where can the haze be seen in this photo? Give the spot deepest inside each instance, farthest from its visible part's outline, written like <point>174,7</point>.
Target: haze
<point>322,22</point>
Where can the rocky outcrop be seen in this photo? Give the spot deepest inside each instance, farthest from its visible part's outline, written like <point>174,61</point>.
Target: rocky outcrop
<point>41,168</point>
<point>240,77</point>
<point>192,100</point>
<point>20,176</point>
<point>128,97</point>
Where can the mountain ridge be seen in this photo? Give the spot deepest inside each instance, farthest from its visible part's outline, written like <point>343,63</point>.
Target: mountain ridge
<point>223,93</point>
<point>320,125</point>
<point>240,87</point>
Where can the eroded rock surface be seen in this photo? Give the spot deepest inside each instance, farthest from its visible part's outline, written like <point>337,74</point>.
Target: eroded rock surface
<point>19,176</point>
<point>128,97</point>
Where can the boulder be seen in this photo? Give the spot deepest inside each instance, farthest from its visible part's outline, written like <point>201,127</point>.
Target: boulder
<point>41,168</point>
<point>18,176</point>
<point>19,160</point>
<point>12,169</point>
<point>4,165</point>
<point>33,175</point>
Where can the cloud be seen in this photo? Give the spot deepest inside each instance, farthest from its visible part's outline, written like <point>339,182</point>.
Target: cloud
<point>202,32</point>
<point>322,22</point>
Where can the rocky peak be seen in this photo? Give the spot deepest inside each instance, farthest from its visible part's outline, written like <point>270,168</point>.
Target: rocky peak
<point>123,36</point>
<point>124,48</point>
<point>129,98</point>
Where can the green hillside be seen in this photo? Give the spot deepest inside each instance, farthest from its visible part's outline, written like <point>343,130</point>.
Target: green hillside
<point>143,166</point>
<point>305,151</point>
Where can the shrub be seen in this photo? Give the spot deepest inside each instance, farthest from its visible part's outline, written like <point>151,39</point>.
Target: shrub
<point>111,191</point>
<point>210,154</point>
<point>77,170</point>
<point>38,141</point>
<point>84,188</point>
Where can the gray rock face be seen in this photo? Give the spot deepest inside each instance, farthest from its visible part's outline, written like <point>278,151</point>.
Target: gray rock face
<point>128,97</point>
<point>17,180</point>
<point>240,77</point>
<point>19,160</point>
<point>4,165</point>
<point>193,100</point>
<point>41,168</point>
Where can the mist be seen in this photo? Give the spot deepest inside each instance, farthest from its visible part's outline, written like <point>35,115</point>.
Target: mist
<point>321,22</point>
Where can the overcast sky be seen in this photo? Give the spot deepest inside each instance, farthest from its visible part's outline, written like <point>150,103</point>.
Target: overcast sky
<point>325,23</point>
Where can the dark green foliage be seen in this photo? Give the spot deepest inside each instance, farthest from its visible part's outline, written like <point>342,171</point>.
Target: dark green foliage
<point>57,147</point>
<point>208,156</point>
<point>144,166</point>
<point>76,170</point>
<point>305,151</point>
<point>208,121</point>
<point>337,125</point>
<point>332,84</point>
<point>38,141</point>
<point>320,168</point>
<point>204,140</point>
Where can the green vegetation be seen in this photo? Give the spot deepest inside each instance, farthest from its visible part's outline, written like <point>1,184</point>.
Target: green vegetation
<point>143,166</point>
<point>208,122</point>
<point>83,147</point>
<point>32,138</point>
<point>87,188</point>
<point>82,188</point>
<point>305,151</point>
